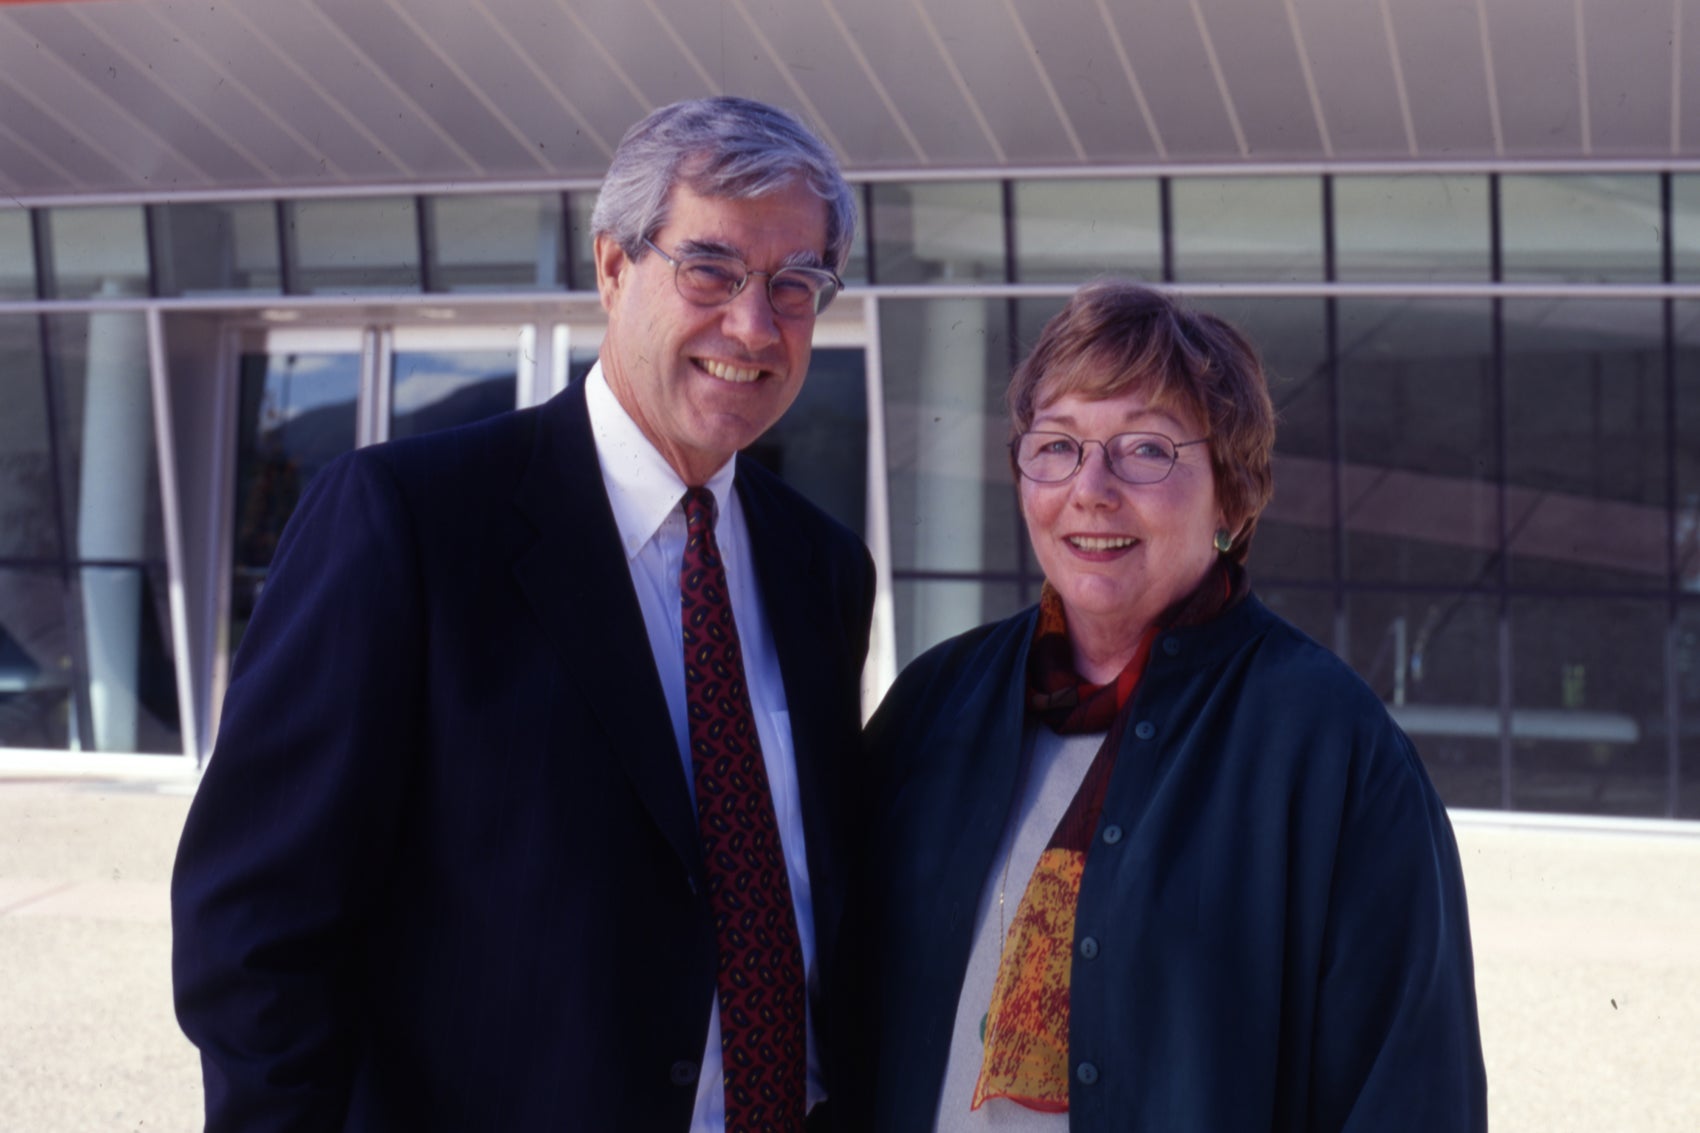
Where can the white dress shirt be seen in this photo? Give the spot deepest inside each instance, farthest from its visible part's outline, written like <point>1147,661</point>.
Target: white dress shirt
<point>645,494</point>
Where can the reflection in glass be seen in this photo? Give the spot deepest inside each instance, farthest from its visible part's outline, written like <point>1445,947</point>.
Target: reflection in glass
<point>108,473</point>
<point>28,528</point>
<point>1588,693</point>
<point>1685,226</point>
<point>296,414</point>
<point>1418,425</point>
<point>1433,658</point>
<point>820,446</point>
<point>1581,228</point>
<point>1687,427</point>
<point>1412,227</point>
<point>1687,692</point>
<point>1293,540</point>
<point>439,389</point>
<point>35,660</point>
<point>1586,456</point>
<point>351,246</point>
<point>951,494</point>
<point>132,680</point>
<point>927,611</point>
<point>938,232</point>
<point>216,247</point>
<point>496,243</point>
<point>96,252</point>
<point>17,255</point>
<point>1242,229</point>
<point>580,246</point>
<point>1066,231</point>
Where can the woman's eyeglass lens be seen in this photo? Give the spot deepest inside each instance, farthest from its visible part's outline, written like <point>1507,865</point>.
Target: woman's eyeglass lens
<point>1136,458</point>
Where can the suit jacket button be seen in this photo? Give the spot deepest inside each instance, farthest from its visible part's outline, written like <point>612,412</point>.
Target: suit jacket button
<point>684,1073</point>
<point>1089,948</point>
<point>1112,834</point>
<point>1086,1074</point>
<point>1145,729</point>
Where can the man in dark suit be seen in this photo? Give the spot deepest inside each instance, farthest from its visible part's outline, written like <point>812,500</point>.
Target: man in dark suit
<point>480,847</point>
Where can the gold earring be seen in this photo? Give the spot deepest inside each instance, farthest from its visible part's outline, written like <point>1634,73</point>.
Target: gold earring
<point>1223,542</point>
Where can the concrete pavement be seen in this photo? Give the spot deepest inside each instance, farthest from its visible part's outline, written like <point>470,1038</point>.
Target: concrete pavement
<point>1587,956</point>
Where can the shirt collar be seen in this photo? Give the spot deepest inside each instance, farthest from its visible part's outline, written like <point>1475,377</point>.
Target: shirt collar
<point>643,489</point>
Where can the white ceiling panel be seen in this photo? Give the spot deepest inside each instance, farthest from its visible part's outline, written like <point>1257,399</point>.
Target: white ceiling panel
<point>1358,79</point>
<point>1180,82</point>
<point>150,96</point>
<point>1537,73</point>
<point>1261,65</point>
<point>1630,54</point>
<point>899,43</point>
<point>1440,53</point>
<point>1090,78</point>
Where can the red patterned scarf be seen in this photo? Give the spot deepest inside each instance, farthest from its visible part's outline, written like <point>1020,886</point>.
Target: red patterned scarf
<point>1026,1028</point>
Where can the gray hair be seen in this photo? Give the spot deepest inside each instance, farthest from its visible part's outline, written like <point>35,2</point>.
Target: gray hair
<point>724,147</point>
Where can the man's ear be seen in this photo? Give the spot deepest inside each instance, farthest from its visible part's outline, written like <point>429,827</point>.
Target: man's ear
<point>611,268</point>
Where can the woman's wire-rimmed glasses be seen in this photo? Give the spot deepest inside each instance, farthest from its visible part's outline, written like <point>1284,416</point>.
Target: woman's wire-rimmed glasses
<point>709,280</point>
<point>1133,458</point>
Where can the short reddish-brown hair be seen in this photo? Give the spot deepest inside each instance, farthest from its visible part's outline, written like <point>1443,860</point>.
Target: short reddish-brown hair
<point>1114,337</point>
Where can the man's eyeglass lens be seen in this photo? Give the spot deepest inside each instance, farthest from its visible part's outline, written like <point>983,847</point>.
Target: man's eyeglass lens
<point>1137,458</point>
<point>712,280</point>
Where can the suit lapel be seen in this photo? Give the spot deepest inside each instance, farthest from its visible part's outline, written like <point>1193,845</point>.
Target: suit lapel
<point>789,577</point>
<point>578,583</point>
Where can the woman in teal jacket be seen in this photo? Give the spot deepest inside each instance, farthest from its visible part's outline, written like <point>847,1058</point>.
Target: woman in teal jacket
<point>1145,857</point>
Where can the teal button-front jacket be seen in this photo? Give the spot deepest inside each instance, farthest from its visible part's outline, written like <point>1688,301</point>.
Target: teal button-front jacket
<point>1274,891</point>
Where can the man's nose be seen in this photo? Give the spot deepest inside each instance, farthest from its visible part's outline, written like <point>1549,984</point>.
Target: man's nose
<point>749,318</point>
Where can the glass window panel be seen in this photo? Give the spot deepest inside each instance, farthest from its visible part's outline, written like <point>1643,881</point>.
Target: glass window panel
<point>439,389</point>
<point>820,446</point>
<point>1685,226</point>
<point>1687,360</point>
<point>581,258</point>
<point>1688,709</point>
<point>1294,539</point>
<point>1433,658</point>
<point>28,528</point>
<point>1412,227</point>
<point>296,413</point>
<point>97,252</point>
<point>108,470</point>
<point>938,232</point>
<point>1417,396</point>
<point>927,611</point>
<point>352,246</point>
<point>131,676</point>
<point>496,243</point>
<point>1586,459</point>
<point>35,660</point>
<point>1239,229</point>
<point>216,247</point>
<point>1588,721</point>
<point>951,493</point>
<point>856,268</point>
<point>1067,231</point>
<point>1311,609</point>
<point>17,255</point>
<point>1581,228</point>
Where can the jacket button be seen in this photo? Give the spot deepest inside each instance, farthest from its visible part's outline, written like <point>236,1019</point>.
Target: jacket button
<point>684,1073</point>
<point>1086,1073</point>
<point>1145,729</point>
<point>1171,645</point>
<point>1112,834</point>
<point>1088,948</point>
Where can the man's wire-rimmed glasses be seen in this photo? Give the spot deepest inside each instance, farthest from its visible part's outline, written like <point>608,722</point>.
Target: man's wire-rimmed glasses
<point>709,280</point>
<point>1133,458</point>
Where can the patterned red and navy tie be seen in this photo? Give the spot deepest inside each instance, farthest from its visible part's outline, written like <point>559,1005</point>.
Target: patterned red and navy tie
<point>760,975</point>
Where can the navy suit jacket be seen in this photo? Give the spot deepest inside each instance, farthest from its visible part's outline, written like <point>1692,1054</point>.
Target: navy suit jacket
<point>442,872</point>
